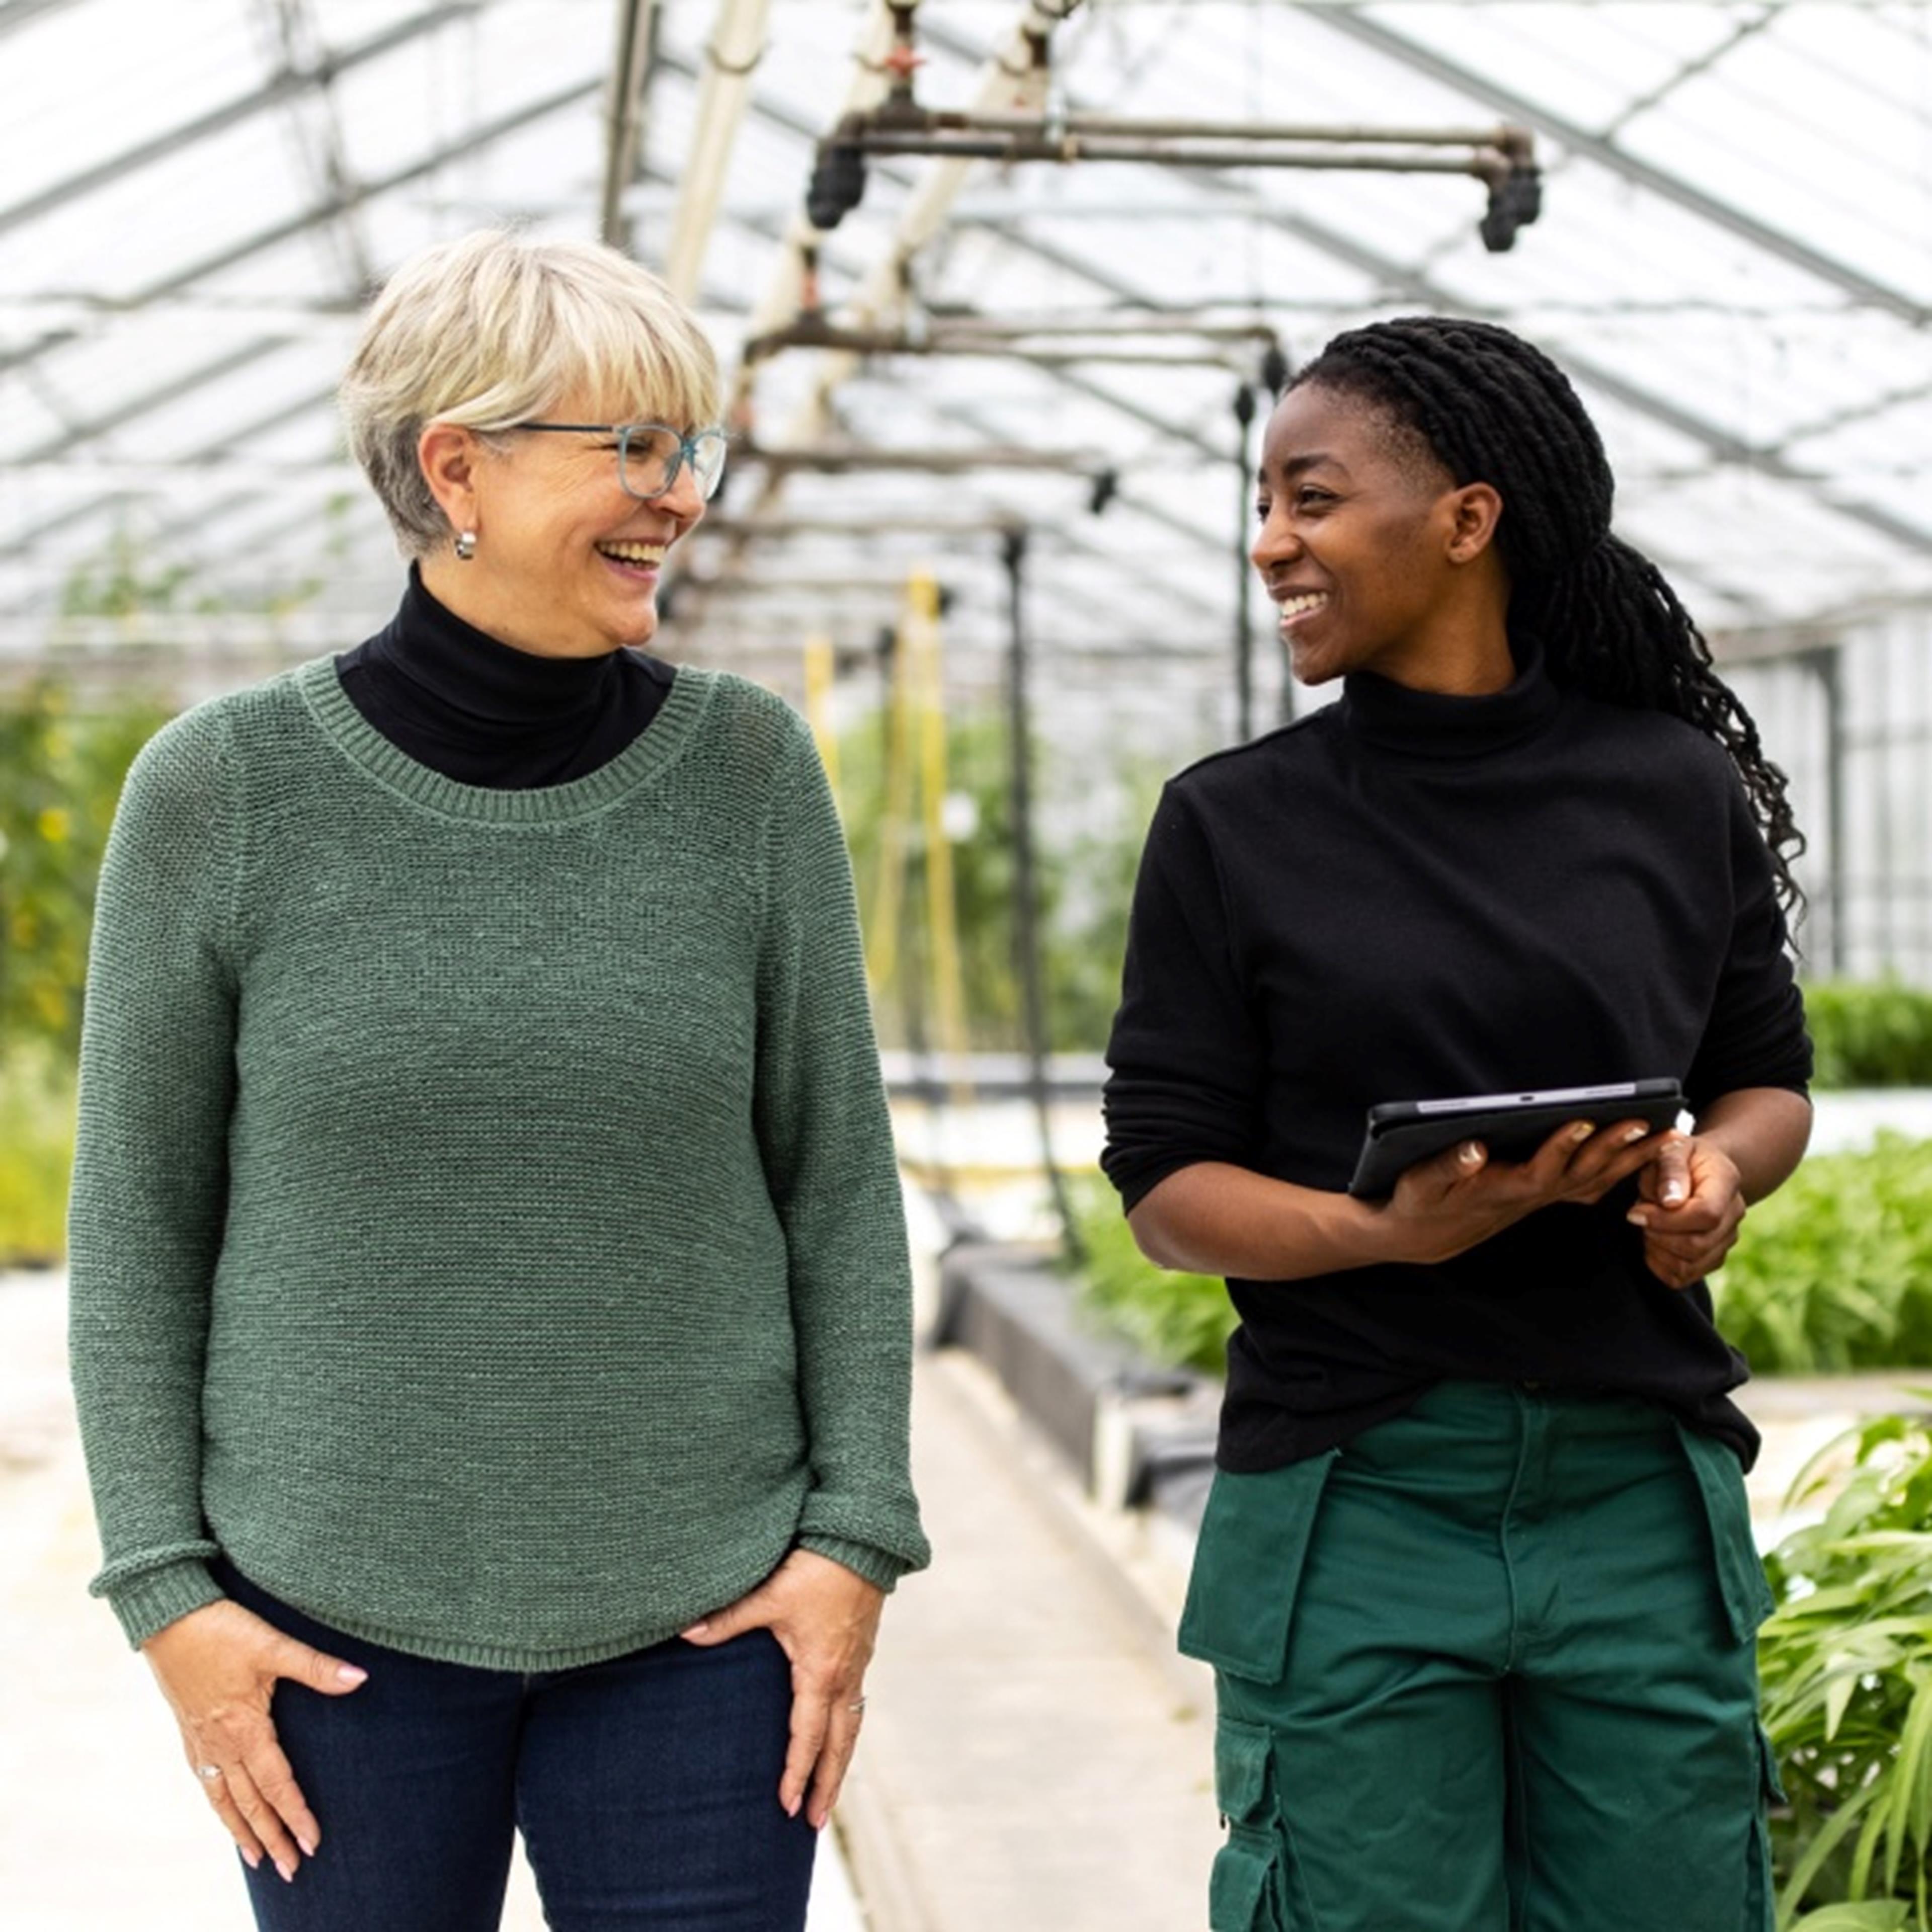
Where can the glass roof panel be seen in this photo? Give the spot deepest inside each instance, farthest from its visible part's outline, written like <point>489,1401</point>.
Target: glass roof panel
<point>1771,416</point>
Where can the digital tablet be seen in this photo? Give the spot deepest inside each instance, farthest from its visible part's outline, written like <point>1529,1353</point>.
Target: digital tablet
<point>1512,1126</point>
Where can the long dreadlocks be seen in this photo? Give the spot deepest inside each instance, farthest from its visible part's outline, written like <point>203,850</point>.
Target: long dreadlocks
<point>1494,409</point>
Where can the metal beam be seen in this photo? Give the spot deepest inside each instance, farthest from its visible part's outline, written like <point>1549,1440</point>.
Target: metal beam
<point>631,66</point>
<point>1698,428</point>
<point>328,210</point>
<point>1862,288</point>
<point>318,135</point>
<point>18,13</point>
<point>276,89</point>
<point>22,544</point>
<point>172,391</point>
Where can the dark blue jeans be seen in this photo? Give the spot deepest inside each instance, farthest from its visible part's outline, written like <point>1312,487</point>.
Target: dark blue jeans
<point>646,1789</point>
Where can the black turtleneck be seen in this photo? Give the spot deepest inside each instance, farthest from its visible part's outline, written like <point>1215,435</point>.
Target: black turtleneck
<point>485,714</point>
<point>1409,895</point>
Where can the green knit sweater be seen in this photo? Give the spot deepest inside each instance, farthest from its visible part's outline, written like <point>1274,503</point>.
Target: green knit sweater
<point>485,1232</point>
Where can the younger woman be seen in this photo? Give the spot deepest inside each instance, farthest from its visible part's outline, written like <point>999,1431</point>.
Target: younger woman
<point>1477,1575</point>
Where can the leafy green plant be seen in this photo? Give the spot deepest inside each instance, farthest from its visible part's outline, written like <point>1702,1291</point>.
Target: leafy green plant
<point>1083,884</point>
<point>1871,1034</point>
<point>36,1151</point>
<point>1834,1272</point>
<point>61,773</point>
<point>1183,1320</point>
<point>1846,1663</point>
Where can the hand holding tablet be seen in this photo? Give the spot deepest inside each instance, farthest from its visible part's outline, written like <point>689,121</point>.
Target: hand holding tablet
<point>1512,1126</point>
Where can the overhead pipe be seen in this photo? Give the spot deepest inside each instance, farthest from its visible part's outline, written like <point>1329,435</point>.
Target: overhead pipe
<point>1502,157</point>
<point>1014,76</point>
<point>832,460</point>
<point>811,329</point>
<point>1017,74</point>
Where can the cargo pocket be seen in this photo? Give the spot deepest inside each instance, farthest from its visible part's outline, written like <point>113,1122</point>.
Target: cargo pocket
<point>1760,1902</point>
<point>1247,1566</point>
<point>1244,1888</point>
<point>1741,1579</point>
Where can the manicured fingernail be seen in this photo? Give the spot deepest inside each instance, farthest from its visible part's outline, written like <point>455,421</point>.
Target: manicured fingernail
<point>253,1860</point>
<point>1468,1153</point>
<point>287,1870</point>
<point>306,1842</point>
<point>693,1630</point>
<point>1671,1190</point>
<point>1635,1135</point>
<point>351,1673</point>
<point>1582,1131</point>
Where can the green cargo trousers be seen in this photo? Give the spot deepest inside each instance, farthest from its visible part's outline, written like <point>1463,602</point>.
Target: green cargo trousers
<point>1490,1667</point>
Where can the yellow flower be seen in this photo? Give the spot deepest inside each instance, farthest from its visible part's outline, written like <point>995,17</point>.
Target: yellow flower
<point>54,823</point>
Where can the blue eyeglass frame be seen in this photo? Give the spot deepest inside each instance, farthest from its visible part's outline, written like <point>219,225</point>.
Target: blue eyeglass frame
<point>687,452</point>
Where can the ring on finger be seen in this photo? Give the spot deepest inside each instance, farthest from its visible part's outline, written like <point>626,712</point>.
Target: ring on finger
<point>857,1708</point>
<point>208,1773</point>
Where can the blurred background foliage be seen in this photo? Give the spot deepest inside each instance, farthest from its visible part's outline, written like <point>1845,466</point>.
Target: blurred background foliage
<point>60,772</point>
<point>1834,1272</point>
<point>1086,851</point>
<point>1874,1034</point>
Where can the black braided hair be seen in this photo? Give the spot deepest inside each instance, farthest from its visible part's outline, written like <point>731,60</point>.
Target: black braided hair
<point>1494,409</point>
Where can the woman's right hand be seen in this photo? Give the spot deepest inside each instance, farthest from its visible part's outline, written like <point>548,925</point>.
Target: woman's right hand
<point>217,1667</point>
<point>1443,1208</point>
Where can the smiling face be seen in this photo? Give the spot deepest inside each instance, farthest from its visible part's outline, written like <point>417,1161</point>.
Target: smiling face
<point>1378,562</point>
<point>566,565</point>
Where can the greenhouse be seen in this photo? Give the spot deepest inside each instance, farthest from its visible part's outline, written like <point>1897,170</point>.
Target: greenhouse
<point>1005,298</point>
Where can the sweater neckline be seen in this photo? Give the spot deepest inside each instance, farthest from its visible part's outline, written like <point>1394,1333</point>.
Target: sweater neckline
<point>1441,724</point>
<point>488,689</point>
<point>644,759</point>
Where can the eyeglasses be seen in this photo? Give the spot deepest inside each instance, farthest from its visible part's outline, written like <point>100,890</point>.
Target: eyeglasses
<point>649,455</point>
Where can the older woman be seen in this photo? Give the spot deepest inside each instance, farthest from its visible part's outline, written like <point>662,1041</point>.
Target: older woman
<point>489,1309</point>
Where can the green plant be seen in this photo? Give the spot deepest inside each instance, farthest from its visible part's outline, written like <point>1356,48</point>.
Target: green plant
<point>1182,1319</point>
<point>1845,1663</point>
<point>1871,1034</point>
<point>1833,1271</point>
<point>1083,886</point>
<point>61,773</point>
<point>36,1151</point>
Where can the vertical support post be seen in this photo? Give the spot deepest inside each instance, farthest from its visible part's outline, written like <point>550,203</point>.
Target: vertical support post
<point>882,951</point>
<point>1026,894</point>
<point>948,984</point>
<point>630,77</point>
<point>1828,665</point>
<point>1244,649</point>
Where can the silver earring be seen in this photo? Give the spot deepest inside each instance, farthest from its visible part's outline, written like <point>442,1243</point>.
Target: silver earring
<point>465,545</point>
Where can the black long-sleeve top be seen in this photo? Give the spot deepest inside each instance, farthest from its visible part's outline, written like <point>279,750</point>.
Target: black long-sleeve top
<point>479,711</point>
<point>1409,895</point>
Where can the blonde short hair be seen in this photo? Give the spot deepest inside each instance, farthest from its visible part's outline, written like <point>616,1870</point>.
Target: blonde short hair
<point>494,328</point>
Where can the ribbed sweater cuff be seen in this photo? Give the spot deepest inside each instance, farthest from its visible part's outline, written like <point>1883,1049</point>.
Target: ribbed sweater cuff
<point>156,1598</point>
<point>878,1568</point>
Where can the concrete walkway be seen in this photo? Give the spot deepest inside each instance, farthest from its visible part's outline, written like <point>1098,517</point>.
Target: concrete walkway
<point>1036,1758</point>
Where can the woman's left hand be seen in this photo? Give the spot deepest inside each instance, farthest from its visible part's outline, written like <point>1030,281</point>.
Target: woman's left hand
<point>825,1619</point>
<point>1690,1206</point>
